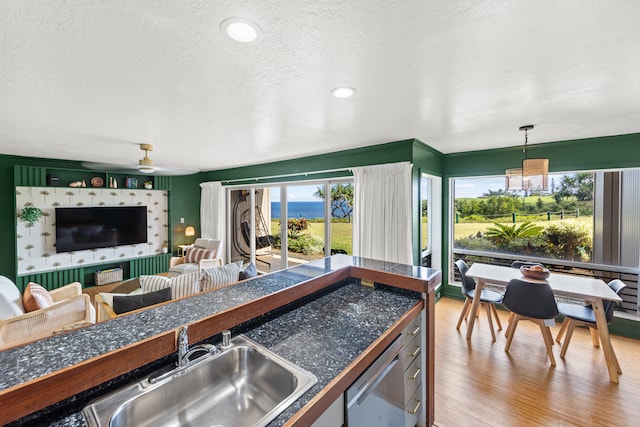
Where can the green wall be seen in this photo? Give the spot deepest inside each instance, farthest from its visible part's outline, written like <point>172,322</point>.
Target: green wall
<point>8,208</point>
<point>184,202</point>
<point>391,152</point>
<point>425,160</point>
<point>608,152</point>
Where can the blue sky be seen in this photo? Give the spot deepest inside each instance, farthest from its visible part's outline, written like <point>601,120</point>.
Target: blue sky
<point>296,193</point>
<point>476,187</point>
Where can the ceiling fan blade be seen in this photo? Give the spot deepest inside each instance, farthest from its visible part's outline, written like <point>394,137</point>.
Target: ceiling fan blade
<point>162,171</point>
<point>157,170</point>
<point>109,167</point>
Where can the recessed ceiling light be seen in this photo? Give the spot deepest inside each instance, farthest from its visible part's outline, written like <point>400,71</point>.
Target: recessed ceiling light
<point>241,30</point>
<point>343,92</point>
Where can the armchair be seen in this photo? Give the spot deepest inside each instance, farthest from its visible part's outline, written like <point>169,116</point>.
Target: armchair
<point>71,308</point>
<point>205,253</point>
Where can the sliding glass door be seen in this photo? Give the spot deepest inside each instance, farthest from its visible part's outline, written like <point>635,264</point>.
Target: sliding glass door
<point>306,214</point>
<point>305,224</point>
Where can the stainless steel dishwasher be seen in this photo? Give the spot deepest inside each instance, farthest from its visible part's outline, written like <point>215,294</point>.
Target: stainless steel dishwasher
<point>377,396</point>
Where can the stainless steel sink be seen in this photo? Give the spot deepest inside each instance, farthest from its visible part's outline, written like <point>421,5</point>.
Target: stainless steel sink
<point>244,385</point>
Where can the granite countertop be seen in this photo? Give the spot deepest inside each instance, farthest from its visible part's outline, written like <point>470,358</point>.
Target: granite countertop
<point>323,336</point>
<point>327,334</point>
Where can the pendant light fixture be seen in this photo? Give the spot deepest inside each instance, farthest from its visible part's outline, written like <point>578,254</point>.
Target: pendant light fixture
<point>534,174</point>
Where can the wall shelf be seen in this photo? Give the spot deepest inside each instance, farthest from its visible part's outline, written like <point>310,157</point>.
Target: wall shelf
<point>35,176</point>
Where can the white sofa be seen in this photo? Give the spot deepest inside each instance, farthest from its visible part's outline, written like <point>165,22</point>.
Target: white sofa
<point>205,253</point>
<point>71,309</point>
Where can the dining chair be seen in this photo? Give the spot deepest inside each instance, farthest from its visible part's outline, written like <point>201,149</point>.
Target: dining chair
<point>518,264</point>
<point>534,302</point>
<point>488,298</point>
<point>581,315</point>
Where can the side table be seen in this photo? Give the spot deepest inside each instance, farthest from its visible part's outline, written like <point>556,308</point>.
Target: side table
<point>182,249</point>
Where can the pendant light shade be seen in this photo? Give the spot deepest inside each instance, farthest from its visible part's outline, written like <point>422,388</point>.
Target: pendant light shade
<point>513,179</point>
<point>534,174</point>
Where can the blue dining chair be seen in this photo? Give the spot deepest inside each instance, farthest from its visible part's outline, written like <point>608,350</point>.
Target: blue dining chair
<point>581,315</point>
<point>534,302</point>
<point>488,298</point>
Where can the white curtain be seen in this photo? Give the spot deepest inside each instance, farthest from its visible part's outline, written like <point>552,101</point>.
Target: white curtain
<point>382,212</point>
<point>213,207</point>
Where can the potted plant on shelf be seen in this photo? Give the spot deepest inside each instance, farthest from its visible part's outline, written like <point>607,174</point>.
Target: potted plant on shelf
<point>30,214</point>
<point>148,185</point>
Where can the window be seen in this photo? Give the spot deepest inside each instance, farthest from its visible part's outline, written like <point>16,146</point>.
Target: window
<point>555,224</point>
<point>426,206</point>
<point>586,223</point>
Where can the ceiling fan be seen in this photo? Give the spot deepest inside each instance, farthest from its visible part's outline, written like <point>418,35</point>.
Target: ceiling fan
<point>144,166</point>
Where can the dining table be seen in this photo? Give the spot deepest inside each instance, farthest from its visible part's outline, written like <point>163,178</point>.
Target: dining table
<point>588,289</point>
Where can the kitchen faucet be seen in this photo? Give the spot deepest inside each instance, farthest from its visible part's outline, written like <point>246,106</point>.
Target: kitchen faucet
<point>184,353</point>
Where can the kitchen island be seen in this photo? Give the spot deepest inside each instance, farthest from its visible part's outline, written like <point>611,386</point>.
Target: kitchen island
<point>317,315</point>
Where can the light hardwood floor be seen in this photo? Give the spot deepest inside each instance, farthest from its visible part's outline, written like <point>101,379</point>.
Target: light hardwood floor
<point>479,384</point>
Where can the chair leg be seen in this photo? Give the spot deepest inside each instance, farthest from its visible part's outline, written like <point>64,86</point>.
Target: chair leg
<point>513,324</point>
<point>571,324</point>
<point>509,320</point>
<point>563,329</point>
<point>595,339</point>
<point>548,340</point>
<point>493,334</point>
<point>463,313</point>
<point>495,313</point>
<point>548,332</point>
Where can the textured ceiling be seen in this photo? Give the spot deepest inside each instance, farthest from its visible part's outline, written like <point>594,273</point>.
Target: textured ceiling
<point>88,80</point>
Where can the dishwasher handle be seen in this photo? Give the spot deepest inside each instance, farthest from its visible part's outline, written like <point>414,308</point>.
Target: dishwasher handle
<point>390,360</point>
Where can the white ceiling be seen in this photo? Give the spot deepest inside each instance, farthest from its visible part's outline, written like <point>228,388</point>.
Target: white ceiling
<point>90,79</point>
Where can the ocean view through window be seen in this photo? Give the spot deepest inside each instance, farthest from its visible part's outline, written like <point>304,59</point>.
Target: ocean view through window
<point>306,209</point>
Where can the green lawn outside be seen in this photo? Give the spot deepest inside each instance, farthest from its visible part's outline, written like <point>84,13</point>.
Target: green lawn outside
<point>528,201</point>
<point>425,232</point>
<point>462,230</point>
<point>341,233</point>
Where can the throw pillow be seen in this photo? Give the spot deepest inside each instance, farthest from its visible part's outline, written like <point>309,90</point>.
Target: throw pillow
<point>107,297</point>
<point>36,297</point>
<point>194,255</point>
<point>249,272</point>
<point>126,303</point>
<point>181,286</point>
<point>154,283</point>
<point>214,278</point>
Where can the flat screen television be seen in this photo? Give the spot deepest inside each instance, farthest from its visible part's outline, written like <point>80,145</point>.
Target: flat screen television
<point>100,227</point>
